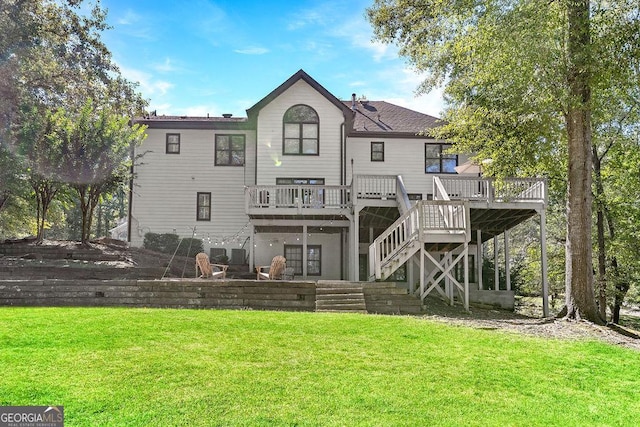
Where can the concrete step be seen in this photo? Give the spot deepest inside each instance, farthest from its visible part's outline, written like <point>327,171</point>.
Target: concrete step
<point>337,302</point>
<point>343,311</point>
<point>340,297</point>
<point>338,291</point>
<point>343,307</point>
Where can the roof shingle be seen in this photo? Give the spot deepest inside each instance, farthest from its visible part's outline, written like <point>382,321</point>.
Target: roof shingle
<point>385,118</point>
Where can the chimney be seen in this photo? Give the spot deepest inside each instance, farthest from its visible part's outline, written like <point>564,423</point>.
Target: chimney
<point>354,103</point>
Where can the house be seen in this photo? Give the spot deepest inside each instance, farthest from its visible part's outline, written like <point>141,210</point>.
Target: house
<point>345,189</point>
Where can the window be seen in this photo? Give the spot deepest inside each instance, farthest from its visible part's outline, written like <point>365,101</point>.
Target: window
<point>300,131</point>
<point>436,160</point>
<point>377,151</point>
<point>293,254</point>
<point>173,143</point>
<point>414,196</point>
<point>230,150</point>
<point>203,207</point>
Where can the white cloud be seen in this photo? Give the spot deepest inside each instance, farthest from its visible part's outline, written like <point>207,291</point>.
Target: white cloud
<point>129,18</point>
<point>160,109</point>
<point>397,84</point>
<point>149,86</point>
<point>199,111</point>
<point>306,18</point>
<point>165,67</point>
<point>253,50</point>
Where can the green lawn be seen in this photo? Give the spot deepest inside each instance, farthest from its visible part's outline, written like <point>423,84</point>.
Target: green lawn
<point>188,367</point>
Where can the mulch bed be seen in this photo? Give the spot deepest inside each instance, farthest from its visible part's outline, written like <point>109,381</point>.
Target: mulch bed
<point>514,322</point>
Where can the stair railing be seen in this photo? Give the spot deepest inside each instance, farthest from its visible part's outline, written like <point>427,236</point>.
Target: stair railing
<point>404,204</point>
<point>398,235</point>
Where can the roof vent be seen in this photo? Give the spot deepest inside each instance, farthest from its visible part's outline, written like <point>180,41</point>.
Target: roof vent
<point>227,115</point>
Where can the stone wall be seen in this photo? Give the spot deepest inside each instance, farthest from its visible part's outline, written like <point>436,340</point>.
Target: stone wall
<point>185,293</point>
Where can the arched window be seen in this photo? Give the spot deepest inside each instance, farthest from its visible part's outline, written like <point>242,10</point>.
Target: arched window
<point>300,131</point>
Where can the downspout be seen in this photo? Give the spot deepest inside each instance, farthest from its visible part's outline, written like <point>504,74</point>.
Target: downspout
<point>129,209</point>
<point>255,163</point>
<point>129,221</point>
<point>343,150</point>
<point>343,179</point>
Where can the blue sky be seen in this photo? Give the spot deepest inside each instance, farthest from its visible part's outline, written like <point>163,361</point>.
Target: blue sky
<point>202,56</point>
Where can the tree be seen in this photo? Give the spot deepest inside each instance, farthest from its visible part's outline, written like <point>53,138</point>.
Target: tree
<point>96,145</point>
<point>41,158</point>
<point>51,56</point>
<point>519,77</point>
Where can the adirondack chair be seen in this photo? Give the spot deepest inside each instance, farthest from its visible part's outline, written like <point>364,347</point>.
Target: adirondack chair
<point>209,270</point>
<point>274,271</point>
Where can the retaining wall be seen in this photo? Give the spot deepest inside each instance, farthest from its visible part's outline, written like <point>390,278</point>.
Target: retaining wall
<point>177,293</point>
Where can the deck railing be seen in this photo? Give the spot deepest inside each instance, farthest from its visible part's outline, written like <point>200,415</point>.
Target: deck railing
<point>494,190</point>
<point>297,196</point>
<point>375,186</point>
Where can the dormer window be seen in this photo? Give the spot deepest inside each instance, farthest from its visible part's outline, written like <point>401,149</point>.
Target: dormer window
<point>300,131</point>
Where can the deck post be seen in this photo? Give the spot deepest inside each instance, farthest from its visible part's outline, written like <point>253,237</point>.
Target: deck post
<point>304,250</point>
<point>422,272</point>
<point>543,263</point>
<point>252,248</point>
<point>479,256</point>
<point>507,267</point>
<point>355,246</point>
<point>466,276</point>
<point>410,276</point>
<point>496,267</point>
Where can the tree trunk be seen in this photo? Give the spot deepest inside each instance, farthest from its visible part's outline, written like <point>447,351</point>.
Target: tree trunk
<point>579,298</point>
<point>622,287</point>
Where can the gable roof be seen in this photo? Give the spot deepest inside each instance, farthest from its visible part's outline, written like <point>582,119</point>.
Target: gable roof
<point>252,112</point>
<point>380,118</point>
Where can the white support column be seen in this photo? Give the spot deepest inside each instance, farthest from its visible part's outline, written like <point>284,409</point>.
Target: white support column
<point>304,251</point>
<point>410,276</point>
<point>479,256</point>
<point>447,281</point>
<point>252,248</point>
<point>543,263</point>
<point>496,269</point>
<point>422,272</point>
<point>355,245</point>
<point>507,267</point>
<point>466,276</point>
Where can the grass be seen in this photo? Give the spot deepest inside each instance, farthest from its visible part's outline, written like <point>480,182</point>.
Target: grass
<point>244,368</point>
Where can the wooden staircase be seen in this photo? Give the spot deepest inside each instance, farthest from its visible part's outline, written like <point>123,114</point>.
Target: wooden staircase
<point>334,296</point>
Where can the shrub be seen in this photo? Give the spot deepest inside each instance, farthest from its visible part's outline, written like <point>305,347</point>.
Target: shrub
<point>168,242</point>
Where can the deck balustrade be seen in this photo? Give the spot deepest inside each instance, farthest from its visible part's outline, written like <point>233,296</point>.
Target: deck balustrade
<point>298,196</point>
<point>494,190</point>
<point>389,187</point>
